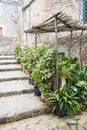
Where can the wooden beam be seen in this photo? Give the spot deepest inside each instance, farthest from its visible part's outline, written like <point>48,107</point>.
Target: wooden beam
<point>71,36</point>
<point>26,39</point>
<point>26,6</point>
<point>56,45</point>
<point>35,37</point>
<point>80,45</point>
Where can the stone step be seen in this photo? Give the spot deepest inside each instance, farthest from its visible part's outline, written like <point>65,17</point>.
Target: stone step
<point>10,67</point>
<point>11,61</point>
<point>12,75</point>
<point>49,122</point>
<point>7,57</point>
<point>9,88</point>
<point>41,122</point>
<point>20,107</point>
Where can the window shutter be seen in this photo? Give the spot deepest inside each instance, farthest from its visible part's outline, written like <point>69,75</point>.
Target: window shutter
<point>85,11</point>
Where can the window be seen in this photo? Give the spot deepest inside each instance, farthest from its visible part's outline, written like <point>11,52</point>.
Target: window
<point>1,31</point>
<point>84,11</point>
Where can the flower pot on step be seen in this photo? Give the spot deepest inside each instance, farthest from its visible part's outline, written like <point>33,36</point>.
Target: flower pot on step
<point>36,91</point>
<point>47,102</point>
<point>59,112</point>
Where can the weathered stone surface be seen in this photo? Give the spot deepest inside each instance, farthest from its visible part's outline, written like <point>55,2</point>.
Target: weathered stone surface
<point>7,57</point>
<point>80,128</point>
<point>46,9</point>
<point>83,121</point>
<point>7,45</point>
<point>63,125</point>
<point>42,122</point>
<point>9,21</point>
<point>11,61</point>
<point>71,122</point>
<point>12,75</point>
<point>73,127</point>
<point>10,67</point>
<point>78,122</point>
<point>9,88</point>
<point>19,107</point>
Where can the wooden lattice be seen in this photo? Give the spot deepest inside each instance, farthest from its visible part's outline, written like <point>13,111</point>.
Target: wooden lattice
<point>64,23</point>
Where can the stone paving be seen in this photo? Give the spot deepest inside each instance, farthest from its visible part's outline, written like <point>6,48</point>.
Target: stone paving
<point>49,122</point>
<point>17,102</point>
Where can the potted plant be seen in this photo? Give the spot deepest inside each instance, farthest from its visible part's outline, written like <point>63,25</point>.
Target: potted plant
<point>67,69</point>
<point>36,91</point>
<point>64,102</point>
<point>17,50</point>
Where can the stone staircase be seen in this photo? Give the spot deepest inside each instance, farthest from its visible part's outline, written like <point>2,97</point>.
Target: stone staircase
<point>18,103</point>
<point>17,100</point>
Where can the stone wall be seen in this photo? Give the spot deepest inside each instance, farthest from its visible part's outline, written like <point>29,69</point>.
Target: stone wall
<point>72,47</point>
<point>9,20</point>
<point>10,23</point>
<point>40,10</point>
<point>7,45</point>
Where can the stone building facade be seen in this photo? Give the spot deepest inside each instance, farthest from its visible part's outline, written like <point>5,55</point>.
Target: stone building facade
<point>37,11</point>
<point>9,26</point>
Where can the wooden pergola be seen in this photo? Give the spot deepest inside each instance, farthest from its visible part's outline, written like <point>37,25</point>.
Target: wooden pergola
<point>59,22</point>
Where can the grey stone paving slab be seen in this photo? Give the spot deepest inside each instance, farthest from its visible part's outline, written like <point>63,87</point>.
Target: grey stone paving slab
<point>10,67</point>
<point>9,88</point>
<point>48,122</point>
<point>11,61</point>
<point>20,107</point>
<point>7,57</point>
<point>12,75</point>
<point>42,122</point>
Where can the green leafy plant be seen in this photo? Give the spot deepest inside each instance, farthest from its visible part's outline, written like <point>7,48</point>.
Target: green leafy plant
<point>44,69</point>
<point>68,102</point>
<point>68,67</point>
<point>81,87</point>
<point>81,74</point>
<point>17,50</point>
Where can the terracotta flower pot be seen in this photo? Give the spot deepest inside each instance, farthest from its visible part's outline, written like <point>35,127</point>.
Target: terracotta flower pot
<point>26,71</point>
<point>47,102</point>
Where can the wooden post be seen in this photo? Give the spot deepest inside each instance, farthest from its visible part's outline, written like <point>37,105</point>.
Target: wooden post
<point>26,39</point>
<point>81,48</point>
<point>57,83</point>
<point>70,44</point>
<point>35,37</point>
